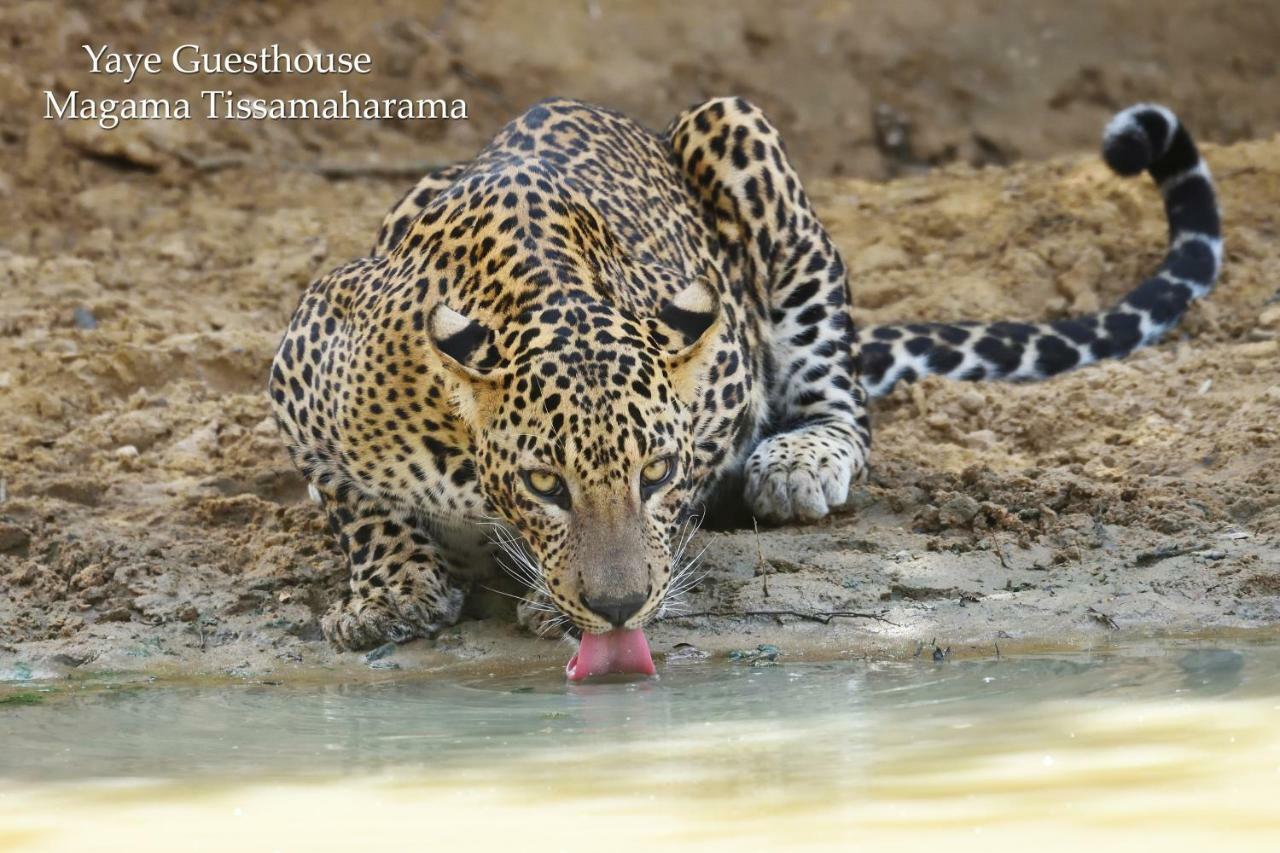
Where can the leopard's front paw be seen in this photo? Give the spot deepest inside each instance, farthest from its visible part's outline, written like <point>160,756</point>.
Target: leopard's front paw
<point>800,476</point>
<point>363,623</point>
<point>538,615</point>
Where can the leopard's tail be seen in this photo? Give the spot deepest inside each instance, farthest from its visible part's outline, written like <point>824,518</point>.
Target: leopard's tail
<point>1147,137</point>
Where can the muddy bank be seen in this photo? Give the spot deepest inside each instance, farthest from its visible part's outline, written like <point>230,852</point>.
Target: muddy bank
<point>149,520</point>
<point>863,89</point>
<point>152,521</point>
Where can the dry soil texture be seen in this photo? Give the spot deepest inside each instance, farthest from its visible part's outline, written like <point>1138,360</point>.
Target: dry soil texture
<point>149,519</point>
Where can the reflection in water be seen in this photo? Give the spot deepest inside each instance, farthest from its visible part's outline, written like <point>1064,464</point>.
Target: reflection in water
<point>1169,743</point>
<point>1212,671</point>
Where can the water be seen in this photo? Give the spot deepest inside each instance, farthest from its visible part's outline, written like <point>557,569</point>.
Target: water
<point>1149,747</point>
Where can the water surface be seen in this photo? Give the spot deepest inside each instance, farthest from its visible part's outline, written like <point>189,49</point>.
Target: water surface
<point>1164,743</point>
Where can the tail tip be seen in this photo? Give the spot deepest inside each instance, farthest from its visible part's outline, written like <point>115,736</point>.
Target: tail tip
<point>1128,145</point>
<point>1129,152</point>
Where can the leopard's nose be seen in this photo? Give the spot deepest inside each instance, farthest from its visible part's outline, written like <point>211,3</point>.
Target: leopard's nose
<point>616,610</point>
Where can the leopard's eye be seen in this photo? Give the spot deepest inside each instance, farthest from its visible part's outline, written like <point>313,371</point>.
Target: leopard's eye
<point>544,483</point>
<point>657,472</point>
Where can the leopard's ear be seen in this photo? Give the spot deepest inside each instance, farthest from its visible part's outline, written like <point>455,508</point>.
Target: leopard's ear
<point>465,347</point>
<point>688,320</point>
<point>683,328</point>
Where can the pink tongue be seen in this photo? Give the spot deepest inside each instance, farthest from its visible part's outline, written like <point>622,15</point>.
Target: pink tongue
<point>617,651</point>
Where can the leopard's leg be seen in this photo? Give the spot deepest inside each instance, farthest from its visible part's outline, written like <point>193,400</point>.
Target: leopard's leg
<point>817,435</point>
<point>400,588</point>
<point>401,215</point>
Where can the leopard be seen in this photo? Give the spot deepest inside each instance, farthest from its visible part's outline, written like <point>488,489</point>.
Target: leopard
<point>561,356</point>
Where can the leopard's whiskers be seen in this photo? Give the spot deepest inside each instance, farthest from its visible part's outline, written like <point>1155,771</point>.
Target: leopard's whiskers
<point>684,575</point>
<point>519,563</point>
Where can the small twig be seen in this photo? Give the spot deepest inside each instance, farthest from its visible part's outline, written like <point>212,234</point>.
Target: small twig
<point>210,164</point>
<point>332,171</point>
<point>824,617</point>
<point>761,563</point>
<point>1164,552</point>
<point>344,171</point>
<point>1004,562</point>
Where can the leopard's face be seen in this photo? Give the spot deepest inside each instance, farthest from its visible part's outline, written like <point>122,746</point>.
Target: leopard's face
<point>584,444</point>
<point>588,453</point>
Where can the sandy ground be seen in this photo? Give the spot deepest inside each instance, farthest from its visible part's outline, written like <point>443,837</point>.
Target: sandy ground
<point>150,521</point>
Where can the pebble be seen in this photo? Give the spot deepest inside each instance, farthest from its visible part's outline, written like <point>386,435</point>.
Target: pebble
<point>982,439</point>
<point>958,511</point>
<point>118,614</point>
<point>13,537</point>
<point>859,499</point>
<point>84,319</point>
<point>972,401</point>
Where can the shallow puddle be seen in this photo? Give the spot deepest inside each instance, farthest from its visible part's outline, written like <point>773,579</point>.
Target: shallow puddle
<point>1160,744</point>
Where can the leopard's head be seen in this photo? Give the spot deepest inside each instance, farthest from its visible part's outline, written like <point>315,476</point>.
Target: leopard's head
<point>581,415</point>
